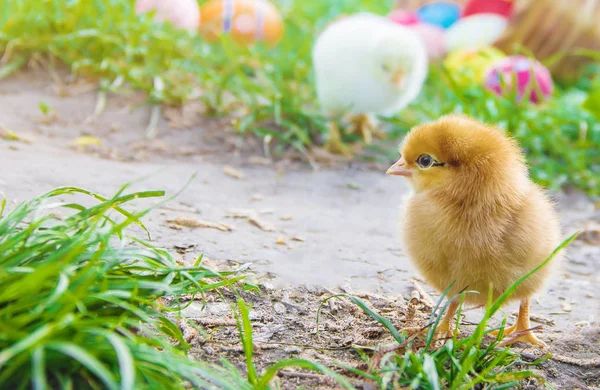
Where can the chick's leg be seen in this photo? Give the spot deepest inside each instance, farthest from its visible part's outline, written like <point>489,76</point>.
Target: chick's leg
<point>445,328</point>
<point>523,331</point>
<point>366,126</point>
<point>335,144</point>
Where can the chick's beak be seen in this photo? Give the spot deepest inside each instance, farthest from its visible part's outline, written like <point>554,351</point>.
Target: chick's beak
<point>399,169</point>
<point>398,76</point>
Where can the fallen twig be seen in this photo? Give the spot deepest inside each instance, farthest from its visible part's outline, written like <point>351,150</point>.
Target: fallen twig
<point>199,223</point>
<point>425,297</point>
<point>588,363</point>
<point>215,322</point>
<point>303,375</point>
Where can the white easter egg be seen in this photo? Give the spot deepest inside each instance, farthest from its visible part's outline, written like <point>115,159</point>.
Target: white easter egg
<point>475,31</point>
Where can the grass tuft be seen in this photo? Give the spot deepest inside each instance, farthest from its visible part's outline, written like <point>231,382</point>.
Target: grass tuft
<point>81,300</point>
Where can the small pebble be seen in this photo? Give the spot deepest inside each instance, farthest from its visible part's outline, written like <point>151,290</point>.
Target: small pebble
<point>279,308</point>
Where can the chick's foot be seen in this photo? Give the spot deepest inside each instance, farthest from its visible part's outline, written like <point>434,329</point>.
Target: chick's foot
<point>334,144</point>
<point>366,126</point>
<point>523,331</point>
<point>527,337</point>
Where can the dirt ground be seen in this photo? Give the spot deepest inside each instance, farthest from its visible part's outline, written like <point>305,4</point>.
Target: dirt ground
<point>304,233</point>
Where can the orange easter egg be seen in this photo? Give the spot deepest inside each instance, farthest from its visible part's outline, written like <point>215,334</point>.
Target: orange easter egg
<point>246,20</point>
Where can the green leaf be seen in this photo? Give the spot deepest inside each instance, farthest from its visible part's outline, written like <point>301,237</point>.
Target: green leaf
<point>430,370</point>
<point>245,328</point>
<point>126,362</point>
<point>87,360</point>
<point>382,320</point>
<point>38,365</point>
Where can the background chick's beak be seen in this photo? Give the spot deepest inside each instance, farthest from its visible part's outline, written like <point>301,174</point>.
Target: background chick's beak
<point>398,76</point>
<point>399,169</point>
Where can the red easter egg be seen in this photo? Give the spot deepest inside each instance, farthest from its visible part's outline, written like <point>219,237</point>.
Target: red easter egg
<point>500,7</point>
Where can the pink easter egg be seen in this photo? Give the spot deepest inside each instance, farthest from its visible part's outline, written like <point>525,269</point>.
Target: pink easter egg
<point>184,14</point>
<point>521,69</point>
<point>433,37</point>
<point>403,17</point>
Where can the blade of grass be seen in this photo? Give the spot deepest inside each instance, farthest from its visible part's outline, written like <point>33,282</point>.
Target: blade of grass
<point>85,359</point>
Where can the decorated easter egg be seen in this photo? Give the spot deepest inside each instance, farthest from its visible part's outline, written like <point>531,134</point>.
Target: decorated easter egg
<point>470,66</point>
<point>433,38</point>
<point>500,7</point>
<point>531,78</point>
<point>246,20</point>
<point>403,17</point>
<point>182,13</point>
<point>475,31</point>
<point>441,13</point>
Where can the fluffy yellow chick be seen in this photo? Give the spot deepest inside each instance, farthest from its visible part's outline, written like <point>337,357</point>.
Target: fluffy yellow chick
<point>475,218</point>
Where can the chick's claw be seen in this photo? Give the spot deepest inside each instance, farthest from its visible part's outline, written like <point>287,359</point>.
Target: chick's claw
<point>365,125</point>
<point>511,329</point>
<point>528,337</point>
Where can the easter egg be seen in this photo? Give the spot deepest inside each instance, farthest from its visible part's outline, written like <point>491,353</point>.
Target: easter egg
<point>500,7</point>
<point>433,38</point>
<point>246,20</point>
<point>403,17</point>
<point>184,14</point>
<point>475,31</point>
<point>470,66</point>
<point>442,14</point>
<point>531,78</point>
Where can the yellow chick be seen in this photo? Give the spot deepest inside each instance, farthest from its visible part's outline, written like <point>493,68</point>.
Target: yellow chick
<point>475,218</point>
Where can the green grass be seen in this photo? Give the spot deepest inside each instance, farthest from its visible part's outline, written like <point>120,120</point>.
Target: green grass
<point>269,92</point>
<point>79,301</point>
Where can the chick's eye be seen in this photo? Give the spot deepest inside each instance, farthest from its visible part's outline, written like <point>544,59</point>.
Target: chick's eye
<point>425,161</point>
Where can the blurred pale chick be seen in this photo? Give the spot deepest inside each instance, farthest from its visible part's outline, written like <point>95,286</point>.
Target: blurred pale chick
<point>367,65</point>
<point>475,218</point>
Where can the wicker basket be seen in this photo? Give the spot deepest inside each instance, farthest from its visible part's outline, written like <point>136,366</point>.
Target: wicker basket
<point>547,28</point>
<point>555,28</point>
